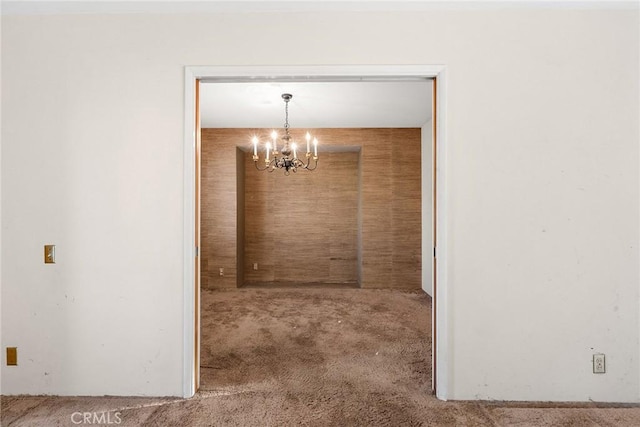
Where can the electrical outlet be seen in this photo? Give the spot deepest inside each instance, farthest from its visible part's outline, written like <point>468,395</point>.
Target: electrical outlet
<point>255,266</point>
<point>221,271</point>
<point>598,364</point>
<point>12,356</point>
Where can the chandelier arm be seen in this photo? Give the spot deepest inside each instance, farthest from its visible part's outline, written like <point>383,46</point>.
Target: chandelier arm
<point>268,166</point>
<point>315,165</point>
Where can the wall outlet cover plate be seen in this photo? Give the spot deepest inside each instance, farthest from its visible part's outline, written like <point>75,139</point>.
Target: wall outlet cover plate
<point>598,364</point>
<point>12,356</point>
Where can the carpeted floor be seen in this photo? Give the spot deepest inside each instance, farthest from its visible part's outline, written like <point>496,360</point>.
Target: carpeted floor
<point>321,357</point>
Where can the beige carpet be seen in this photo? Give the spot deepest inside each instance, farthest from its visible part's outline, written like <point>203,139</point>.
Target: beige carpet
<point>321,357</point>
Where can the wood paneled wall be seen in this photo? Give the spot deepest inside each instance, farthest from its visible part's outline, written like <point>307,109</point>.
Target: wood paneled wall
<point>370,200</point>
<point>219,205</point>
<point>304,227</point>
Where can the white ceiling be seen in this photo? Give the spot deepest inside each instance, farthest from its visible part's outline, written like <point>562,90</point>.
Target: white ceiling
<point>316,104</point>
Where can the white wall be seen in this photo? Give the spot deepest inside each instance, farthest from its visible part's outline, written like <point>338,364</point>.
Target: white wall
<point>427,207</point>
<point>542,173</point>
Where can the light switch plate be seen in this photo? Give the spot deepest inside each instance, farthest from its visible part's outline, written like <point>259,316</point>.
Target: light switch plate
<point>49,254</point>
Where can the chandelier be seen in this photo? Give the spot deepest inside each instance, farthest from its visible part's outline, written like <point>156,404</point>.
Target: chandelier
<point>288,159</point>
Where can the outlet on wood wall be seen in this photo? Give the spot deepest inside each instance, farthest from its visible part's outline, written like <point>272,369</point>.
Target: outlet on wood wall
<point>357,219</point>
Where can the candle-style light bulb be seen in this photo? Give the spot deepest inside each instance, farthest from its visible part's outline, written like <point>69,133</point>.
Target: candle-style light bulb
<point>268,148</point>
<point>308,139</point>
<point>274,136</point>
<point>315,147</point>
<point>294,146</point>
<point>255,145</point>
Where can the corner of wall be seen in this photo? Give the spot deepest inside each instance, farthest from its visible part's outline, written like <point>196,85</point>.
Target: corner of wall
<point>426,152</point>
<point>240,223</point>
<point>360,279</point>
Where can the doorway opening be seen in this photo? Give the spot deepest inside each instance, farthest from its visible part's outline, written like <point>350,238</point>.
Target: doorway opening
<point>196,76</point>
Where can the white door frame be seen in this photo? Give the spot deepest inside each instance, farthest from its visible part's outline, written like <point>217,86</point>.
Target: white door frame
<point>315,73</point>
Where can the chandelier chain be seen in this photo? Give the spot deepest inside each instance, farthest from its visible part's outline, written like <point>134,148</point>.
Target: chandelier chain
<point>286,115</point>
